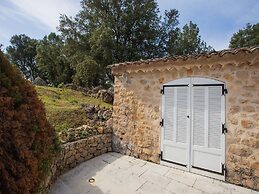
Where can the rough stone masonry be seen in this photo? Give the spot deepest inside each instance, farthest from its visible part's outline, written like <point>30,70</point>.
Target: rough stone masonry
<point>74,153</point>
<point>137,106</point>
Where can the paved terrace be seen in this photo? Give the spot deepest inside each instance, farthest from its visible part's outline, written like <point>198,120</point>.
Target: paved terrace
<point>118,174</point>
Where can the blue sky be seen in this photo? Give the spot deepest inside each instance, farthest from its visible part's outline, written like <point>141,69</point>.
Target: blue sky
<point>217,19</point>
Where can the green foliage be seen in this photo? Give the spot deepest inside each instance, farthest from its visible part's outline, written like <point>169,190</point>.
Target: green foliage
<point>52,62</point>
<point>22,53</point>
<point>110,32</point>
<point>70,136</point>
<point>246,37</point>
<point>124,30</point>
<point>61,85</point>
<point>56,147</point>
<point>44,166</point>
<point>87,73</point>
<point>117,31</point>
<point>169,29</point>
<point>187,42</point>
<point>63,106</point>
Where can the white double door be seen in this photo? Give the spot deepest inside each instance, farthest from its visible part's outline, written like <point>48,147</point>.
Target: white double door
<point>193,113</point>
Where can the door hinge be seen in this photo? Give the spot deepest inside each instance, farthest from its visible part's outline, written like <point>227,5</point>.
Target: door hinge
<point>224,128</point>
<point>224,169</point>
<point>224,91</point>
<point>161,155</point>
<point>162,123</point>
<point>162,91</point>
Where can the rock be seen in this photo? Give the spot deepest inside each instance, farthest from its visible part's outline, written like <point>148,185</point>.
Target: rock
<point>247,124</point>
<point>100,129</point>
<point>68,85</point>
<point>111,90</point>
<point>256,173</point>
<point>89,109</point>
<point>234,109</point>
<point>108,129</point>
<point>243,151</point>
<point>255,165</point>
<point>147,151</point>
<point>72,86</point>
<point>100,114</point>
<point>228,77</point>
<point>242,74</point>
<point>249,183</point>
<point>104,114</point>
<point>233,140</point>
<point>39,82</point>
<point>107,114</point>
<point>249,109</point>
<point>251,142</point>
<point>96,89</point>
<point>234,121</point>
<point>106,96</point>
<point>109,123</point>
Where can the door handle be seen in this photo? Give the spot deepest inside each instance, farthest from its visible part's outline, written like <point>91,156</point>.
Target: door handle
<point>188,116</point>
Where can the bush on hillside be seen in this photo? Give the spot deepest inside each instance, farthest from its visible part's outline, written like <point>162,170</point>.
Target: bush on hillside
<point>27,140</point>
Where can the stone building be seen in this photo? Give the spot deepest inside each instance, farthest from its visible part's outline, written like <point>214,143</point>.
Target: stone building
<point>199,113</point>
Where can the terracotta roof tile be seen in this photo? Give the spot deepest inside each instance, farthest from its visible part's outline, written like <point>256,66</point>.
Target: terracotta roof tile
<point>185,57</point>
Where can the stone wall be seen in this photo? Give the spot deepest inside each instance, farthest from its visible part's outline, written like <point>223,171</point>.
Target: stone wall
<point>74,153</point>
<point>137,108</point>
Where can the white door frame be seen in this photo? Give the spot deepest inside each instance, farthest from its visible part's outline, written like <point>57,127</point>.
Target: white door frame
<point>194,81</point>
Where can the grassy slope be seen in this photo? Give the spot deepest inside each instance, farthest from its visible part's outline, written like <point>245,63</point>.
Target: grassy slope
<point>63,106</point>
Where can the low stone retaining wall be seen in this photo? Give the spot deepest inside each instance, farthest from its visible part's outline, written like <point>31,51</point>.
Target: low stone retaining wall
<point>74,153</point>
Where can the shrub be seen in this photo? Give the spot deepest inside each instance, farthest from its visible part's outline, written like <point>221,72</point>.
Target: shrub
<point>27,140</point>
<point>88,73</point>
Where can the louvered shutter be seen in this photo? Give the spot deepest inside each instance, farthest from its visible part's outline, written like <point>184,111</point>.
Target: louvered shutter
<point>214,117</point>
<point>196,143</point>
<point>181,112</point>
<point>199,116</point>
<point>175,124</point>
<point>207,127</point>
<point>169,113</point>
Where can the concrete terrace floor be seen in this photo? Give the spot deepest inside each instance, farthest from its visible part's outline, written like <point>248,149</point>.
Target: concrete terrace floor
<point>119,174</point>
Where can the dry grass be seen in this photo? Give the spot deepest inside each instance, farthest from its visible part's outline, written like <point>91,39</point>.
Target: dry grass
<point>63,106</point>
